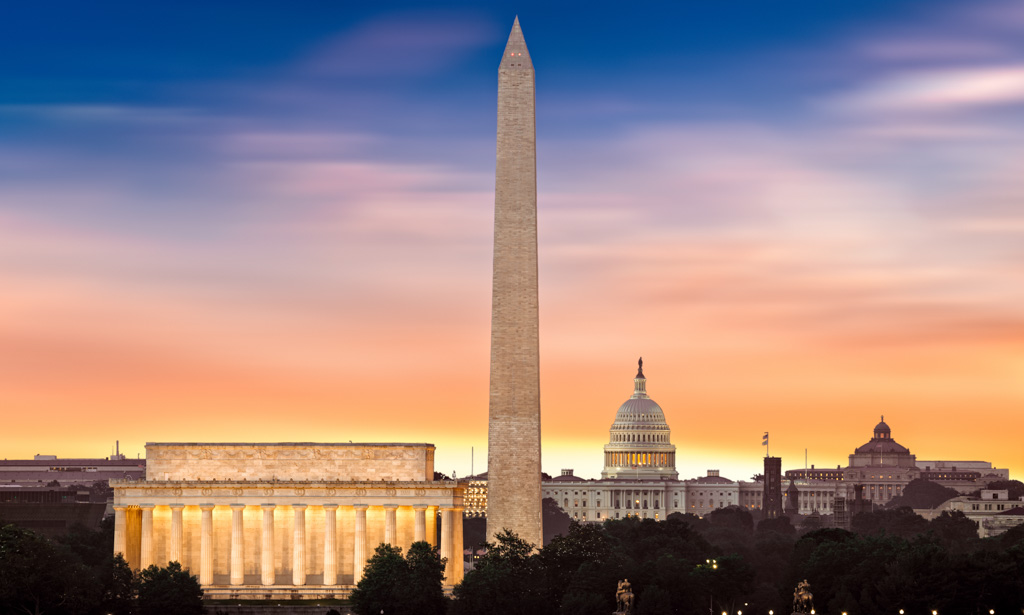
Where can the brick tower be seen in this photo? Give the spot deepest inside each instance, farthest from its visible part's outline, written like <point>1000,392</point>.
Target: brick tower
<point>513,431</point>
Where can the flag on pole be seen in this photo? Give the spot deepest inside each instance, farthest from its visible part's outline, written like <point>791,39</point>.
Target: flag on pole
<point>764,441</point>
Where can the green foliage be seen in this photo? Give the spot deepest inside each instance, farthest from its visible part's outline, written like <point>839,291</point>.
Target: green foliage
<point>169,591</point>
<point>954,530</point>
<point>555,520</point>
<point>91,546</point>
<point>584,603</point>
<point>474,531</point>
<point>508,580</point>
<point>120,587</point>
<point>40,576</point>
<point>921,493</point>
<point>902,522</point>
<point>732,517</point>
<point>654,601</point>
<point>1015,488</point>
<point>394,584</point>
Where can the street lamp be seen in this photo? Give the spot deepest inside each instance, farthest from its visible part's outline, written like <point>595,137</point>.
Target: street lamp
<point>713,564</point>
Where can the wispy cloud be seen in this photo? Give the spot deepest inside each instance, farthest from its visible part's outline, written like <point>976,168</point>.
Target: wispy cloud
<point>950,89</point>
<point>399,45</point>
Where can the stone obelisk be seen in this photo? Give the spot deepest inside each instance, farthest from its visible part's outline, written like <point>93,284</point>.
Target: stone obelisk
<point>513,433</point>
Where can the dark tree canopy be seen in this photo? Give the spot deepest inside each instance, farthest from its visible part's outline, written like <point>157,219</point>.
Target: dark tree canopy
<point>1015,487</point>
<point>169,591</point>
<point>39,576</point>
<point>509,579</point>
<point>394,584</point>
<point>902,522</point>
<point>556,521</point>
<point>920,493</point>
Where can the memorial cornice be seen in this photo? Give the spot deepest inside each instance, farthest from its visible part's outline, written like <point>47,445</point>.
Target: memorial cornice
<point>370,492</point>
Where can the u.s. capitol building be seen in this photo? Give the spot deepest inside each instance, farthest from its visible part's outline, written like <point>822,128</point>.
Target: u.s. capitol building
<point>639,478</point>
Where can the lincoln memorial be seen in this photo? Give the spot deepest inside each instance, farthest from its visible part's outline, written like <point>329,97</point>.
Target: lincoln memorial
<point>284,520</point>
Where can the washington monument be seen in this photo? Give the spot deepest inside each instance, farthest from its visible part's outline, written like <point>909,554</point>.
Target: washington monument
<point>513,431</point>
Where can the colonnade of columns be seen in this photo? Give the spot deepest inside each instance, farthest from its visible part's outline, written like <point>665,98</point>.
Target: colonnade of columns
<point>639,459</point>
<point>451,539</point>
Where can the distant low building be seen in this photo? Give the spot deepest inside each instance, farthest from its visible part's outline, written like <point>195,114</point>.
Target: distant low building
<point>49,494</point>
<point>50,469</point>
<point>992,510</point>
<point>50,511</point>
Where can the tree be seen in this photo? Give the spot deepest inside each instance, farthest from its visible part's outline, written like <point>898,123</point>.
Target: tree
<point>565,554</point>
<point>39,576</point>
<point>425,591</point>
<point>1015,487</point>
<point>555,520</point>
<point>169,591</point>
<point>508,580</point>
<point>781,525</point>
<point>120,587</point>
<point>474,531</point>
<point>93,547</point>
<point>922,493</point>
<point>654,601</point>
<point>394,584</point>
<point>954,529</point>
<point>899,522</point>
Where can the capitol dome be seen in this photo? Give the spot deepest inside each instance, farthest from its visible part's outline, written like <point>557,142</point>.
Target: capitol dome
<point>639,443</point>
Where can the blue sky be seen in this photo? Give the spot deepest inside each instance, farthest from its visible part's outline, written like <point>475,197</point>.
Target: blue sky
<point>794,210</point>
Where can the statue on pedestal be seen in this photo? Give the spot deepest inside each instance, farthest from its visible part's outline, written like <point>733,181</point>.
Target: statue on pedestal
<point>802,598</point>
<point>624,598</point>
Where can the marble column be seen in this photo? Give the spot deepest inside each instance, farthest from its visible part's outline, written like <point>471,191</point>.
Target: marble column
<point>174,546</point>
<point>267,572</point>
<point>206,545</point>
<point>420,533</point>
<point>359,540</point>
<point>432,525</point>
<point>146,556</point>
<point>121,531</point>
<point>330,544</point>
<point>237,544</point>
<point>446,544</point>
<point>457,546</point>
<point>390,524</point>
<point>299,546</point>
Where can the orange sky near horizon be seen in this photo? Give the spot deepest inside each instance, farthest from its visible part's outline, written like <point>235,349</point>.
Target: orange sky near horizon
<point>128,364</point>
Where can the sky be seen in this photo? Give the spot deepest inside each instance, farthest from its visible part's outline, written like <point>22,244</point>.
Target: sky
<point>271,221</point>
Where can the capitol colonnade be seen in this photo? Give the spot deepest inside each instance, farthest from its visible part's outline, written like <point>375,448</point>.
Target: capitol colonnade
<point>261,536</point>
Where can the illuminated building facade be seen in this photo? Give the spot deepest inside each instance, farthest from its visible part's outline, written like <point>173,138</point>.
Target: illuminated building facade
<point>284,520</point>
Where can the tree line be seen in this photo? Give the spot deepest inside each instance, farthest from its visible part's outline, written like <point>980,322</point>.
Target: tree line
<point>725,562</point>
<point>77,574</point>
